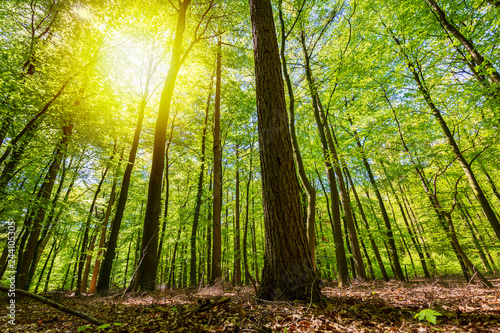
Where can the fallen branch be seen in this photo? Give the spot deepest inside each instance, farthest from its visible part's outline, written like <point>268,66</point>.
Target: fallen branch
<point>55,305</point>
<point>207,304</point>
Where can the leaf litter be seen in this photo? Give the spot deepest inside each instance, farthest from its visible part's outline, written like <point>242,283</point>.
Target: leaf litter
<point>362,307</point>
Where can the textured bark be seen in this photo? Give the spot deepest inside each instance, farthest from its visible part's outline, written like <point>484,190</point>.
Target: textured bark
<point>310,190</point>
<point>217,192</point>
<point>146,272</point>
<point>288,272</point>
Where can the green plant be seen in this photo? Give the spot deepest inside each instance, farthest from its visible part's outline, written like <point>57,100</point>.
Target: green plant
<point>428,314</point>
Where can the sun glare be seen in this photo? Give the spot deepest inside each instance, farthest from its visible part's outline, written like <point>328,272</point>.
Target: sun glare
<point>82,12</point>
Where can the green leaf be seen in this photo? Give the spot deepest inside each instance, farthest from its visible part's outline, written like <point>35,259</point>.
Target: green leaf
<point>103,326</point>
<point>428,314</point>
<point>83,328</point>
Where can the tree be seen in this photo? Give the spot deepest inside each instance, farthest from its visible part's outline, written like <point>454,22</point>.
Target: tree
<point>288,272</point>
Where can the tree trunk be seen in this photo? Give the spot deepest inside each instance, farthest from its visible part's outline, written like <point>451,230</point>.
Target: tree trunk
<point>471,49</point>
<point>237,245</point>
<point>107,264</point>
<point>343,272</point>
<point>309,188</point>
<point>466,167</point>
<point>102,239</point>
<point>288,272</point>
<point>199,193</point>
<point>86,230</point>
<point>367,227</point>
<point>25,260</point>
<point>398,272</point>
<point>146,272</point>
<point>217,192</point>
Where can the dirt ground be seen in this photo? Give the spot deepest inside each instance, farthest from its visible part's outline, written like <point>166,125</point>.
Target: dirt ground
<point>440,304</point>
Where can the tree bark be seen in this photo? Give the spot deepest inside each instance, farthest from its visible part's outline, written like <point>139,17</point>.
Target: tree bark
<point>309,188</point>
<point>288,272</point>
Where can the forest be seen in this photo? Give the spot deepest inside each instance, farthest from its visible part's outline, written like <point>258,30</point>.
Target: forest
<point>249,166</point>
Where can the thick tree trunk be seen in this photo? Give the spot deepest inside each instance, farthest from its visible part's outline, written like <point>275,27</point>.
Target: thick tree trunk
<point>288,272</point>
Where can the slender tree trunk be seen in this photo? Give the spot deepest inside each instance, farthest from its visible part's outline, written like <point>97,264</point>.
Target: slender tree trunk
<point>237,245</point>
<point>107,264</point>
<point>398,272</point>
<point>217,192</point>
<point>102,239</point>
<point>209,236</point>
<point>254,244</point>
<point>45,265</point>
<point>335,201</point>
<point>367,227</point>
<point>88,263</point>
<point>49,273</point>
<point>471,49</point>
<point>309,188</point>
<point>466,167</point>
<point>86,231</point>
<point>410,233</point>
<point>146,272</point>
<point>199,193</point>
<point>288,272</point>
<point>25,260</point>
<point>247,206</point>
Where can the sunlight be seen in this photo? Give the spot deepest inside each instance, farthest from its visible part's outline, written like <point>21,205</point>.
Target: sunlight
<point>82,12</point>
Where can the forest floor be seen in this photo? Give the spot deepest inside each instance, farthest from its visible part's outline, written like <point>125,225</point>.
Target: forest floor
<point>362,307</point>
